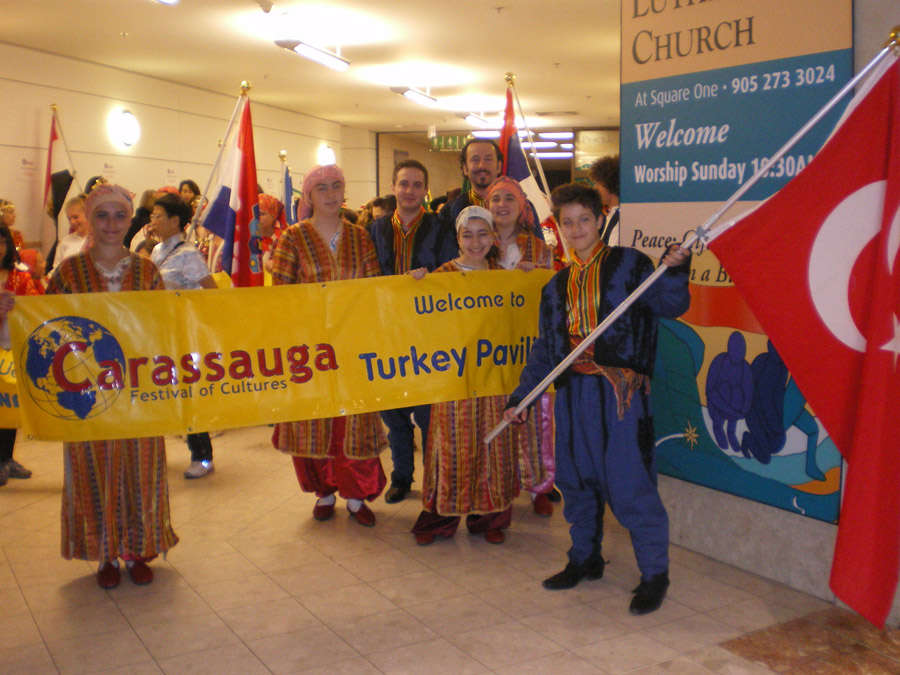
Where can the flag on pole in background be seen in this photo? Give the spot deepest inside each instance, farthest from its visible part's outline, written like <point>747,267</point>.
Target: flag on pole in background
<point>57,181</point>
<point>817,263</point>
<point>234,199</point>
<point>515,165</point>
<point>290,211</point>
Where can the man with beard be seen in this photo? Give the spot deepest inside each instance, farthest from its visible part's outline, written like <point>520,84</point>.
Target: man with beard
<point>480,161</point>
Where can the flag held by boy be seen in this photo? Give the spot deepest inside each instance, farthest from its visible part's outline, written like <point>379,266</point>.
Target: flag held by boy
<point>817,264</point>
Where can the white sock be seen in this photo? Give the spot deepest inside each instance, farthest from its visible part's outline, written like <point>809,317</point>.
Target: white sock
<point>533,496</point>
<point>354,505</point>
<point>326,501</point>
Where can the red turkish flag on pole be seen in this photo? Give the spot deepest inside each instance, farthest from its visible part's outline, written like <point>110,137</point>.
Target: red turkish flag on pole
<point>817,264</point>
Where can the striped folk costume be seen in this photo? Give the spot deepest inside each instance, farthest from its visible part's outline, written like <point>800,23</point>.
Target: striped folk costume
<point>463,476</point>
<point>115,495</point>
<point>326,449</point>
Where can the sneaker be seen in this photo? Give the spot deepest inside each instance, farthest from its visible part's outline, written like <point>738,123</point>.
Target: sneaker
<point>199,469</point>
<point>4,474</point>
<point>108,575</point>
<point>16,470</point>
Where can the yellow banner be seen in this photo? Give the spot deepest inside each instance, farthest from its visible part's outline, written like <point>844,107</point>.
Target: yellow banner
<point>9,394</point>
<point>133,364</point>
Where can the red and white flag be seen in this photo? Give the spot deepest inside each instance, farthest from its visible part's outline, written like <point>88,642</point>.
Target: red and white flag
<point>57,180</point>
<point>817,264</point>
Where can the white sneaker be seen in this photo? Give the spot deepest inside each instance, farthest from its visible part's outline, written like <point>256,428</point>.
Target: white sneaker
<point>199,469</point>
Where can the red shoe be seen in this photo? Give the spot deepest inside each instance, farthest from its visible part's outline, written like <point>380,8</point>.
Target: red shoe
<point>140,573</point>
<point>494,536</point>
<point>108,576</point>
<point>323,511</point>
<point>424,538</point>
<point>542,506</point>
<point>364,516</point>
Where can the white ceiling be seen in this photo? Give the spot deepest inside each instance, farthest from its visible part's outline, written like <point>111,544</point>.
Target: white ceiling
<point>565,53</point>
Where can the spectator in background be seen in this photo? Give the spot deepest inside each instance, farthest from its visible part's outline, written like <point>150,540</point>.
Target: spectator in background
<point>8,218</point>
<point>15,281</point>
<point>141,215</point>
<point>73,242</point>
<point>181,267</point>
<point>604,173</point>
<point>37,267</point>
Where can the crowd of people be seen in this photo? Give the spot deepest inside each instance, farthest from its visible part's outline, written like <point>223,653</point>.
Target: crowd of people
<point>594,440</point>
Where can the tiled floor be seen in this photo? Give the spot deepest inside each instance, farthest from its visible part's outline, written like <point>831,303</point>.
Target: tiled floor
<point>257,586</point>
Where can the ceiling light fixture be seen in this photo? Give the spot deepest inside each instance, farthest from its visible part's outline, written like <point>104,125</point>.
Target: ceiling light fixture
<point>557,135</point>
<point>168,2</point>
<point>541,145</point>
<point>486,134</point>
<point>567,146</point>
<point>474,120</point>
<point>419,97</point>
<point>317,54</point>
<point>552,155</point>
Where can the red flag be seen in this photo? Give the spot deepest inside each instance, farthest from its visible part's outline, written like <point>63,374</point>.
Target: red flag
<point>817,264</point>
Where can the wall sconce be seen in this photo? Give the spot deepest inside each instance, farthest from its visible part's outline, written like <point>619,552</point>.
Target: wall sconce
<point>317,54</point>
<point>325,156</point>
<point>419,97</point>
<point>123,128</point>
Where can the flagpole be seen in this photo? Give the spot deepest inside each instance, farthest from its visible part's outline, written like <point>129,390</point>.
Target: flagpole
<point>62,137</point>
<point>245,87</point>
<point>702,232</point>
<point>544,187</point>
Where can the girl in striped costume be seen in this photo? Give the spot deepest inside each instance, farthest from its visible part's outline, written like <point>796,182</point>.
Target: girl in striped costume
<point>338,455</point>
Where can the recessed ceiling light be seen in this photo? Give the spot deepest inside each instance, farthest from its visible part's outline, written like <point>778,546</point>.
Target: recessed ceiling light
<point>557,135</point>
<point>167,2</point>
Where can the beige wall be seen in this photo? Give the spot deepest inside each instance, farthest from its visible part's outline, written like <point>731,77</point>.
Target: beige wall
<point>180,129</point>
<point>443,167</point>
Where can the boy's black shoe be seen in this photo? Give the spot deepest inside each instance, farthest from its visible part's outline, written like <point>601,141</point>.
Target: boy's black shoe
<point>555,495</point>
<point>648,596</point>
<point>397,492</point>
<point>592,568</point>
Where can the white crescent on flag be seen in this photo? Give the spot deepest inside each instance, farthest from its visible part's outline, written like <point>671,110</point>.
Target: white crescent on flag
<point>842,237</point>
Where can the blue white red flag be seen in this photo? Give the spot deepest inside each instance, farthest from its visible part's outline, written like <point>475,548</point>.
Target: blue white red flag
<point>515,165</point>
<point>290,210</point>
<point>234,198</point>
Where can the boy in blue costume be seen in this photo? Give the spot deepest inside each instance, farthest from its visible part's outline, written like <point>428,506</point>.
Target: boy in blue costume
<point>604,427</point>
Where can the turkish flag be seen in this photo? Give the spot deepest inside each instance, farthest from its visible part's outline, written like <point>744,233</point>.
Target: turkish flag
<point>817,264</point>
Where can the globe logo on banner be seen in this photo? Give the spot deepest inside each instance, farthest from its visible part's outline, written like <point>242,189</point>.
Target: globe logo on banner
<point>65,361</point>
